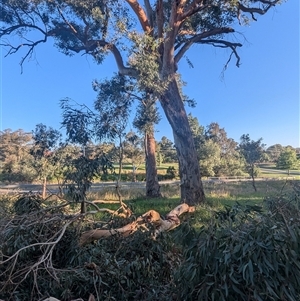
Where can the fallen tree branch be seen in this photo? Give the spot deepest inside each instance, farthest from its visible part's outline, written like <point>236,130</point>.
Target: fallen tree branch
<point>126,212</point>
<point>151,217</point>
<point>91,298</point>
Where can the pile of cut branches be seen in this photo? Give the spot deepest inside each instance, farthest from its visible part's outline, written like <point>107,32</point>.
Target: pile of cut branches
<point>49,252</point>
<point>45,252</point>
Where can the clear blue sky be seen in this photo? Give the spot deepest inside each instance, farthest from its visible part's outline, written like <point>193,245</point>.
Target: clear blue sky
<point>261,98</point>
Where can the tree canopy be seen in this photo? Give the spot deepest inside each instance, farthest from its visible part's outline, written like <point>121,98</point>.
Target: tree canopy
<point>287,160</point>
<point>253,152</point>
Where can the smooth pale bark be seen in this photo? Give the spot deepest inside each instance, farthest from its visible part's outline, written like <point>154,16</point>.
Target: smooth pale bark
<point>189,170</point>
<point>44,188</point>
<point>152,185</point>
<point>161,225</point>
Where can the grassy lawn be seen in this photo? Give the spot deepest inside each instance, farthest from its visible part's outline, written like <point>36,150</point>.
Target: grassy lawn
<point>267,170</point>
<point>218,195</point>
<point>161,169</point>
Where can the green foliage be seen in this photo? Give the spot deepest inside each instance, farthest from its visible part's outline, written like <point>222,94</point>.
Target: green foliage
<point>274,151</point>
<point>80,173</point>
<point>244,254</point>
<point>146,116</point>
<point>288,160</point>
<point>46,141</point>
<point>27,203</point>
<point>251,150</point>
<point>77,120</point>
<point>197,132</point>
<point>217,154</point>
<point>209,158</point>
<point>117,268</point>
<point>167,150</point>
<point>171,173</point>
<point>253,153</point>
<point>144,58</point>
<point>113,106</point>
<point>241,253</point>
<point>15,158</point>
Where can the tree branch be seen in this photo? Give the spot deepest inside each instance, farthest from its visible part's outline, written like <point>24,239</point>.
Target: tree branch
<point>140,13</point>
<point>14,49</point>
<point>200,39</point>
<point>10,30</point>
<point>66,21</point>
<point>149,12</point>
<point>257,10</point>
<point>91,45</point>
<point>161,225</point>
<point>194,7</point>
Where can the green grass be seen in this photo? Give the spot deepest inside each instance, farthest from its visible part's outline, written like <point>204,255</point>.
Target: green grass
<point>268,171</point>
<point>271,171</point>
<point>218,195</point>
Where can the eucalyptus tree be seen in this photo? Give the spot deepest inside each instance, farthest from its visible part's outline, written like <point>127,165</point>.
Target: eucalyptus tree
<point>288,160</point>
<point>46,141</point>
<point>152,38</point>
<point>133,151</point>
<point>253,153</point>
<point>15,155</point>
<point>198,132</point>
<point>230,162</point>
<point>145,119</point>
<point>168,150</point>
<point>274,152</point>
<point>126,93</point>
<point>82,125</point>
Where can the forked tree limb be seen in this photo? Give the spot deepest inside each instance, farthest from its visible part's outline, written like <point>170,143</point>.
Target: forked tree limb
<point>151,217</point>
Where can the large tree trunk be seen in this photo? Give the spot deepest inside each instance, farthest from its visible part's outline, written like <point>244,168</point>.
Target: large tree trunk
<point>191,185</point>
<point>152,185</point>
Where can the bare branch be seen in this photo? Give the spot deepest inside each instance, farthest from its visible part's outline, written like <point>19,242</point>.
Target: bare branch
<point>257,10</point>
<point>14,49</point>
<point>127,212</point>
<point>226,44</point>
<point>91,45</point>
<point>199,38</point>
<point>10,30</point>
<point>66,21</point>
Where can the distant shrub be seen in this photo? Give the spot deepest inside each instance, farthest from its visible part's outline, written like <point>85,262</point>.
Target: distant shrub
<point>171,172</point>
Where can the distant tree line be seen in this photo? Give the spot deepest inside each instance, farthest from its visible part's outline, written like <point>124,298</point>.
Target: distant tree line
<point>42,155</point>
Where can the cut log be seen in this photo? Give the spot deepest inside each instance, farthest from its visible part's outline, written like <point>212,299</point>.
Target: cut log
<point>151,217</point>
